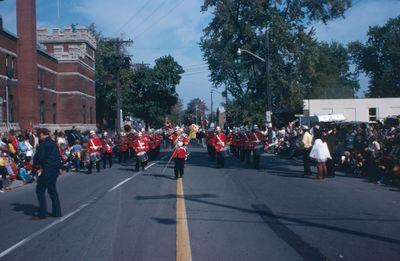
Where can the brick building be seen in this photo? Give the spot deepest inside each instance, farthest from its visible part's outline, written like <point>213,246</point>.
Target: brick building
<point>46,77</point>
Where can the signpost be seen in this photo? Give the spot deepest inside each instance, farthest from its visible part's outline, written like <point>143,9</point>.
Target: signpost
<point>268,116</point>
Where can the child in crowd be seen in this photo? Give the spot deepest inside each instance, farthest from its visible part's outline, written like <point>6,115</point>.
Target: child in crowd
<point>24,173</point>
<point>5,182</point>
<point>76,150</point>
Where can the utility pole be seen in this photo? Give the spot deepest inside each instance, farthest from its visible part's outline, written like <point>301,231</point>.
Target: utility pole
<point>197,122</point>
<point>118,56</point>
<point>211,116</point>
<point>268,85</point>
<point>226,105</point>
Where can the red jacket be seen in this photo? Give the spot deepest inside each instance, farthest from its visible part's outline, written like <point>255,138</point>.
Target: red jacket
<point>94,145</point>
<point>180,151</point>
<point>140,145</point>
<point>219,141</point>
<point>106,145</point>
<point>123,144</point>
<point>256,138</point>
<point>130,139</point>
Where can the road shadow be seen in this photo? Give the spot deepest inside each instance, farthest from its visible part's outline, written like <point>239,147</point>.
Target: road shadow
<point>127,169</point>
<point>165,221</point>
<point>27,209</point>
<point>174,196</point>
<point>160,176</point>
<point>275,221</point>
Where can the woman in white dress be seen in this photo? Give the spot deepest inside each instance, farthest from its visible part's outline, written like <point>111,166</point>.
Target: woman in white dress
<point>320,153</point>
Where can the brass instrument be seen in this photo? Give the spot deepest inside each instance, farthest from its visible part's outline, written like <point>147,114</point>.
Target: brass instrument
<point>127,128</point>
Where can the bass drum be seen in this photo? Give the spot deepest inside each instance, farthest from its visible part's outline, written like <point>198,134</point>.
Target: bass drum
<point>142,156</point>
<point>95,157</point>
<point>259,150</point>
<point>225,151</point>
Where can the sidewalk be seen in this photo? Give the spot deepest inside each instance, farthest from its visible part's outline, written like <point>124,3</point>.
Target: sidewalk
<point>16,184</point>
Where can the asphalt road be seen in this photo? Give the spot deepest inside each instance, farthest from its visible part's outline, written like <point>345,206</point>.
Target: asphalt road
<point>235,213</point>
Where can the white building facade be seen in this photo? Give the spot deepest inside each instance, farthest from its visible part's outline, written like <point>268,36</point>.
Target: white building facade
<point>359,109</point>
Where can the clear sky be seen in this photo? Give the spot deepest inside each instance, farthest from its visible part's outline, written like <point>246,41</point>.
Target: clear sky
<point>162,27</point>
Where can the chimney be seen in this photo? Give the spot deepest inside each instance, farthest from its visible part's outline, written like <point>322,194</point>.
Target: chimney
<point>28,103</point>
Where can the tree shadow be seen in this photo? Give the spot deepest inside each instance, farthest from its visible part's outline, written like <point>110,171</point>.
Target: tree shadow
<point>127,169</point>
<point>160,176</point>
<point>282,230</point>
<point>165,221</point>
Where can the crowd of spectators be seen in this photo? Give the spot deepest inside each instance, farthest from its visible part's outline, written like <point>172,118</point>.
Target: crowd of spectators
<point>17,149</point>
<point>358,149</point>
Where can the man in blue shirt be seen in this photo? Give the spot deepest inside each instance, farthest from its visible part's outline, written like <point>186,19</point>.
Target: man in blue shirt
<point>47,156</point>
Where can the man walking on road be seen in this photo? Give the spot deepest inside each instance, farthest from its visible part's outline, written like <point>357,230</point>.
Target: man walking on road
<point>48,158</point>
<point>307,144</point>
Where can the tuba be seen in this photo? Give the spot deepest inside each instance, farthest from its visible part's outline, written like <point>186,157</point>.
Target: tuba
<point>127,128</point>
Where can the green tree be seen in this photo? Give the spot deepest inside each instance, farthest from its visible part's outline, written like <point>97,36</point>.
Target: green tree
<point>105,74</point>
<point>379,58</point>
<point>177,114</point>
<point>196,107</point>
<point>246,24</point>
<point>332,77</point>
<point>152,93</point>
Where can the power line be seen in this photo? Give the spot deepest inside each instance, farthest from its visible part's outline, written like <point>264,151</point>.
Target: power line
<point>161,18</point>
<point>148,17</point>
<point>194,65</point>
<point>133,16</point>
<point>195,73</point>
<point>164,48</point>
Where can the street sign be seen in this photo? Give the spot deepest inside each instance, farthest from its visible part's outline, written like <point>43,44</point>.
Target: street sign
<point>268,115</point>
<point>298,115</point>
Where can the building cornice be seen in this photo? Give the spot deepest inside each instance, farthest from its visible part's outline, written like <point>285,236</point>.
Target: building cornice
<point>67,92</point>
<point>8,52</point>
<point>65,73</point>
<point>76,61</point>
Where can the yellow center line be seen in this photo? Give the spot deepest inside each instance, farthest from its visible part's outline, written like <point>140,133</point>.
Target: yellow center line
<point>183,251</point>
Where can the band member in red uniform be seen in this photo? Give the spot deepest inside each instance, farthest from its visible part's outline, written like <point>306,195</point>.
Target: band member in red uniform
<point>94,147</point>
<point>107,145</point>
<point>219,142</point>
<point>174,137</point>
<point>130,139</point>
<point>123,148</point>
<point>210,146</point>
<point>246,146</point>
<point>141,147</point>
<point>256,145</point>
<point>179,155</point>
